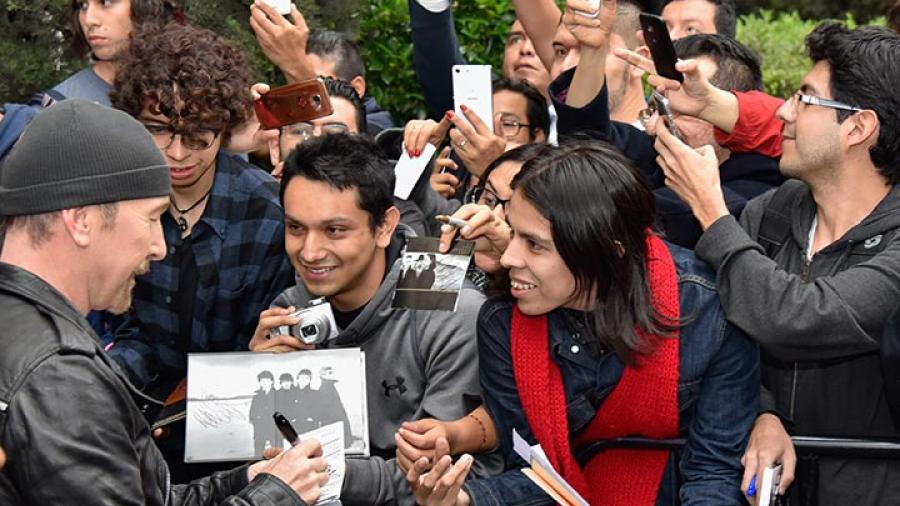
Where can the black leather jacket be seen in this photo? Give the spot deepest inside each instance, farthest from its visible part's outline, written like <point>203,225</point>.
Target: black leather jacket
<point>69,421</point>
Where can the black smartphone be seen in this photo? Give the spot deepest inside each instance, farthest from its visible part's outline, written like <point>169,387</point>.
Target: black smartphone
<point>287,430</point>
<point>656,35</point>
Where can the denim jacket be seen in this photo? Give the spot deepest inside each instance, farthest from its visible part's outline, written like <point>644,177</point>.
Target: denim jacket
<point>718,393</point>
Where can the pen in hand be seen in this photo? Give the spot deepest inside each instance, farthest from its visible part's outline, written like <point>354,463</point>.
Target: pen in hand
<point>287,430</point>
<point>449,220</point>
<point>751,489</point>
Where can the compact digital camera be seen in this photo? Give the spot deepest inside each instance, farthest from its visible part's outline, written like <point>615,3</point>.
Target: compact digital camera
<point>316,323</point>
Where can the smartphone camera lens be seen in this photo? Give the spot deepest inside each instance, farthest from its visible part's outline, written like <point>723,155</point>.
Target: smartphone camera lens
<point>317,101</point>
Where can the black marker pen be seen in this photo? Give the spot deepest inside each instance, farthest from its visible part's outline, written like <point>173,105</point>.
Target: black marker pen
<point>287,430</point>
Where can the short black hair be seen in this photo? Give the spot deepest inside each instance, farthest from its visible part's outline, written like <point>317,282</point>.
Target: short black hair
<point>538,115</point>
<point>305,372</point>
<point>864,74</point>
<point>285,376</point>
<point>340,49</point>
<point>738,66</point>
<point>345,161</point>
<point>342,89</point>
<point>726,16</point>
<point>263,375</point>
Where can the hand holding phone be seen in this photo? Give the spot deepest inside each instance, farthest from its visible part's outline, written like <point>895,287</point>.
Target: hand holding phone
<point>594,9</point>
<point>282,6</point>
<point>294,103</point>
<point>656,35</point>
<point>665,113</point>
<point>472,88</point>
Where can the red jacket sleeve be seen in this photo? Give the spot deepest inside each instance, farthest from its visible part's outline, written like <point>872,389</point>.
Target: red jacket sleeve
<point>757,128</point>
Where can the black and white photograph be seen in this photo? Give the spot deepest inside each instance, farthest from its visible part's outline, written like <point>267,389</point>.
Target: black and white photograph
<point>429,279</point>
<point>231,398</point>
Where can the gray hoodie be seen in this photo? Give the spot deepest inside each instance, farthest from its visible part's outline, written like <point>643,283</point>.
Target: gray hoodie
<point>433,354</point>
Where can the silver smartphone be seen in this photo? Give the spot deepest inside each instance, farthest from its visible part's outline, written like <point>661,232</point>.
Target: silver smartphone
<point>665,113</point>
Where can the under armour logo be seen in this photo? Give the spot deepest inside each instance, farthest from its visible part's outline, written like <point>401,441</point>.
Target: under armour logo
<point>397,386</point>
<point>872,242</point>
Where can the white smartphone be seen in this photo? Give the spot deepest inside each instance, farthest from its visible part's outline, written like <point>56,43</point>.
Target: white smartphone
<point>768,490</point>
<point>594,12</point>
<point>472,88</point>
<point>282,6</point>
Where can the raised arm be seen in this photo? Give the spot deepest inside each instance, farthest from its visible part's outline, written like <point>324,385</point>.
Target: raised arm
<point>540,19</point>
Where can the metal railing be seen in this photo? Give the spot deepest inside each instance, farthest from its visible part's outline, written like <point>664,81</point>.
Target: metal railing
<point>820,446</point>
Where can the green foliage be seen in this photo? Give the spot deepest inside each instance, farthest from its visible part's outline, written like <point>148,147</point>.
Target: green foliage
<point>34,37</point>
<point>863,10</point>
<point>387,50</point>
<point>779,40</point>
<point>33,42</point>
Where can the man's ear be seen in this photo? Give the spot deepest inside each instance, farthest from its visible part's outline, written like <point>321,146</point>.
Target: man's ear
<point>645,52</point>
<point>864,128</point>
<point>359,84</point>
<point>385,231</point>
<point>79,223</point>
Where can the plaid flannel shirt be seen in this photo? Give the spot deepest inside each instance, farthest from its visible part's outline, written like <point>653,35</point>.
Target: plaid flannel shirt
<point>238,248</point>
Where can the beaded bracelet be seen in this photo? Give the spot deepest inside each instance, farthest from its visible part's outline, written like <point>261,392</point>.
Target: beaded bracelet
<point>483,430</point>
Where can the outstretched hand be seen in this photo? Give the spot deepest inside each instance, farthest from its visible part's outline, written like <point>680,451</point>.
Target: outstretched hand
<point>442,486</point>
<point>700,98</point>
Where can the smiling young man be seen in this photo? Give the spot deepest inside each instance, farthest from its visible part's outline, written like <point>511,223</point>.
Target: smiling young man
<point>224,226</point>
<point>344,241</point>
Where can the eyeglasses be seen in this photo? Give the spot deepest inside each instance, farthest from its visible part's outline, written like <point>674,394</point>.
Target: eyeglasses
<point>306,131</point>
<point>798,97</point>
<point>484,196</point>
<point>164,135</point>
<point>510,125</point>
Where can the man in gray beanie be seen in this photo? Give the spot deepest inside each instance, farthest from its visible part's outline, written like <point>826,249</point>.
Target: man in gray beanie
<point>81,195</point>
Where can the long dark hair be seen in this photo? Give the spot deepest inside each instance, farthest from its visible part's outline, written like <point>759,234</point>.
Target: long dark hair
<point>600,209</point>
<point>145,14</point>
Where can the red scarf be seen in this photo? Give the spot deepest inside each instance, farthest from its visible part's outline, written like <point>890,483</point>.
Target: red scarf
<point>644,402</point>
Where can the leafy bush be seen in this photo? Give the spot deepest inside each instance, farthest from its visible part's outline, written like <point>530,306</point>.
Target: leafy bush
<point>34,35</point>
<point>387,49</point>
<point>780,42</point>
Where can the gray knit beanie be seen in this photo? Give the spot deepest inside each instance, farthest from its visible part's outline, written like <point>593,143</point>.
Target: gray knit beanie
<point>77,153</point>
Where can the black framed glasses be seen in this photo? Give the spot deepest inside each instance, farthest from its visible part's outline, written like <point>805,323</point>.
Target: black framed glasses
<point>164,136</point>
<point>485,196</point>
<point>798,97</point>
<point>510,125</point>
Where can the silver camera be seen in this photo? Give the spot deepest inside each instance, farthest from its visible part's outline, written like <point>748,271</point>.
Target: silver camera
<point>316,323</point>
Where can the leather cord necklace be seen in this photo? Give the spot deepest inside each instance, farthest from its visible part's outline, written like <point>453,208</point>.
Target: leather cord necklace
<point>181,220</point>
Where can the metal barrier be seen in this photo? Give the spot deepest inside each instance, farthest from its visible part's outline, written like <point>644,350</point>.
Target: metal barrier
<point>820,446</point>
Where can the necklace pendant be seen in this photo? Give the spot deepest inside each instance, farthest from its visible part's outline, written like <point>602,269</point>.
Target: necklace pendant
<point>182,223</point>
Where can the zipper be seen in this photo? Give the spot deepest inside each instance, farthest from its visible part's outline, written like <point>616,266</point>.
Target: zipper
<point>794,390</point>
<point>804,275</point>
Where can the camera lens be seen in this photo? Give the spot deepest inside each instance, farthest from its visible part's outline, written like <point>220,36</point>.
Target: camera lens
<point>309,330</point>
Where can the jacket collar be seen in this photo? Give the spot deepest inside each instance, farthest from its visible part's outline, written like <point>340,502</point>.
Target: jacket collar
<point>32,288</point>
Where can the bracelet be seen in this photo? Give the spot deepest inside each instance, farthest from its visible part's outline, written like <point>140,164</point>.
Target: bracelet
<point>483,430</point>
